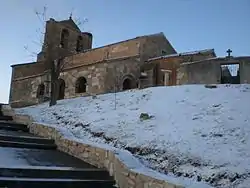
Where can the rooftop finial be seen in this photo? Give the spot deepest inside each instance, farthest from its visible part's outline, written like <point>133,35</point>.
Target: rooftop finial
<point>229,51</point>
<point>70,16</point>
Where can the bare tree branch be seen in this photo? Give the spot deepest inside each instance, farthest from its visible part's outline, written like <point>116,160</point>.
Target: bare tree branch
<point>32,54</point>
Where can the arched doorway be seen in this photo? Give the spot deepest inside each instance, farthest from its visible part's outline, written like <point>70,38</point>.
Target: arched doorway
<point>61,88</point>
<point>128,83</point>
<point>81,85</point>
<point>40,90</point>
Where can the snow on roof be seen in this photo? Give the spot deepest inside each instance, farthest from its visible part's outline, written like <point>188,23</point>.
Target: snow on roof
<point>21,64</point>
<point>208,59</point>
<point>183,54</point>
<point>230,60</point>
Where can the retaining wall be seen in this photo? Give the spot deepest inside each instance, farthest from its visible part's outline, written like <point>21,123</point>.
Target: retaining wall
<point>97,156</point>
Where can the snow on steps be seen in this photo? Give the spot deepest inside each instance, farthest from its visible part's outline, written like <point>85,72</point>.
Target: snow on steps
<point>126,169</point>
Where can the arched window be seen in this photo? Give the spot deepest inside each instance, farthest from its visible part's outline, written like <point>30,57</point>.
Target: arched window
<point>40,90</point>
<point>79,44</point>
<point>81,85</point>
<point>64,38</point>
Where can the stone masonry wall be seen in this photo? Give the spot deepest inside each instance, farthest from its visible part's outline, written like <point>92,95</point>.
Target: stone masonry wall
<point>209,71</point>
<point>119,50</point>
<point>104,68</point>
<point>23,92</point>
<point>53,37</point>
<point>101,77</point>
<point>199,73</point>
<point>28,69</point>
<point>102,158</point>
<point>154,46</point>
<point>245,71</point>
<point>173,62</point>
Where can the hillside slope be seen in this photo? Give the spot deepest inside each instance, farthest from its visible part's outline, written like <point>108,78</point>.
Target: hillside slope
<point>188,131</point>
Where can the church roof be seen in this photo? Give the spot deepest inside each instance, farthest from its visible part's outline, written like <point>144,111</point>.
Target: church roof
<point>70,22</point>
<point>230,60</point>
<point>184,54</point>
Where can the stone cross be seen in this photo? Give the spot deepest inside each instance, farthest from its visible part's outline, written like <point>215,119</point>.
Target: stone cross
<point>229,51</point>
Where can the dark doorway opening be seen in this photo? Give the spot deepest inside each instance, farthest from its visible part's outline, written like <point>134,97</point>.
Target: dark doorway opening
<point>81,85</point>
<point>40,90</point>
<point>61,83</point>
<point>127,84</point>
<point>230,73</point>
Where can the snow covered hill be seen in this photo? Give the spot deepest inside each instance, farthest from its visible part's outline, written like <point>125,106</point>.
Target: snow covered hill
<point>188,131</point>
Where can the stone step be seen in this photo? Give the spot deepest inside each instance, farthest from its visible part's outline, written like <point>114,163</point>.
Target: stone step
<point>12,123</point>
<point>8,125</point>
<point>26,139</point>
<point>11,128</point>
<point>6,118</point>
<point>52,183</point>
<point>26,145</point>
<point>55,172</point>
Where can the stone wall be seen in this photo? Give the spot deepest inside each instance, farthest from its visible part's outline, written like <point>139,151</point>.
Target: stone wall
<point>27,70</point>
<point>172,63</point>
<point>101,77</point>
<point>23,92</point>
<point>102,158</point>
<point>245,71</point>
<point>154,46</point>
<point>53,37</point>
<point>104,68</point>
<point>128,48</point>
<point>199,73</point>
<point>209,71</point>
<point>146,46</point>
<point>24,82</point>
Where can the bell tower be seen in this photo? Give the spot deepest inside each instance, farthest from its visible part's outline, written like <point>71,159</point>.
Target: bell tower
<point>64,38</point>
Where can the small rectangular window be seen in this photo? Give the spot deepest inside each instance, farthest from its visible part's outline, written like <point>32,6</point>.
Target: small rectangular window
<point>163,78</point>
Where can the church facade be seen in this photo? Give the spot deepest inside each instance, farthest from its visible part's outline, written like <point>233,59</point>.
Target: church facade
<point>140,62</point>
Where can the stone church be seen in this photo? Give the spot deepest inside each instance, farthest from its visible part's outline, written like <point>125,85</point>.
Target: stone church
<point>141,62</point>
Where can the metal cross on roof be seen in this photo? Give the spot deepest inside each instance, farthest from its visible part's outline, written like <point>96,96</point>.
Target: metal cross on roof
<point>70,16</point>
<point>229,51</point>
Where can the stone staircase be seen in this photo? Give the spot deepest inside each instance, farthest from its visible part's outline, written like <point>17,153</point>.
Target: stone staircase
<point>28,161</point>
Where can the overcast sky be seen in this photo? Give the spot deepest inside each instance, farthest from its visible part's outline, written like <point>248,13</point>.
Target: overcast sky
<point>188,25</point>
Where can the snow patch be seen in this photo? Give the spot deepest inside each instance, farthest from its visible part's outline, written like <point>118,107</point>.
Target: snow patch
<point>195,133</point>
